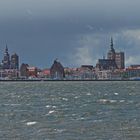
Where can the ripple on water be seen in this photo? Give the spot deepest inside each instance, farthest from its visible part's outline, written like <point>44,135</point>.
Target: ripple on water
<point>76,97</point>
<point>88,94</point>
<point>105,101</point>
<point>50,106</point>
<point>65,99</point>
<point>50,112</point>
<point>116,93</point>
<point>70,110</point>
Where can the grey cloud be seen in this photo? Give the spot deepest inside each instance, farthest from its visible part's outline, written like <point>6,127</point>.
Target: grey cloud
<point>41,30</point>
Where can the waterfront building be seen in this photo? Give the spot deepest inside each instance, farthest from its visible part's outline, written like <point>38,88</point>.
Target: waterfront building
<point>134,67</point>
<point>117,56</point>
<point>46,73</point>
<point>106,64</point>
<point>120,60</point>
<point>24,70</point>
<point>90,67</point>
<point>69,72</point>
<point>57,70</point>
<point>109,75</point>
<point>87,72</point>
<point>104,75</point>
<point>115,60</point>
<point>32,72</point>
<point>9,63</point>
<point>9,74</point>
<point>132,72</point>
<point>6,59</point>
<point>15,61</point>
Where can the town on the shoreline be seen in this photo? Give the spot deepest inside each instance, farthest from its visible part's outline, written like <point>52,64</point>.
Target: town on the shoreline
<point>110,68</point>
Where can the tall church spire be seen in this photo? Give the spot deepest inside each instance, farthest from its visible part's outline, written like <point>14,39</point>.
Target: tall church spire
<point>6,49</point>
<point>112,45</point>
<point>111,54</point>
<point>6,59</point>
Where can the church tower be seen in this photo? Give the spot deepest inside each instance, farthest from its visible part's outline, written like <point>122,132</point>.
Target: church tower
<point>6,59</point>
<point>111,54</point>
<point>14,61</point>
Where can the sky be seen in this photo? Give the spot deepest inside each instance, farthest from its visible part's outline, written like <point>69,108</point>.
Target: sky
<point>74,31</point>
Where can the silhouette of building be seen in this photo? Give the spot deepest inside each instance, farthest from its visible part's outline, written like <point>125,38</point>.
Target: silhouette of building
<point>117,56</point>
<point>106,64</point>
<point>24,70</point>
<point>115,60</point>
<point>120,60</point>
<point>8,63</point>
<point>15,61</point>
<point>57,70</point>
<point>87,66</point>
<point>111,54</point>
<point>6,59</point>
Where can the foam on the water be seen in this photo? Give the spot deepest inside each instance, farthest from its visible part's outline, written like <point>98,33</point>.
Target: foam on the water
<point>48,106</point>
<point>59,130</point>
<point>12,104</point>
<point>50,112</point>
<point>122,101</point>
<point>76,97</point>
<point>31,123</point>
<point>64,99</point>
<point>88,94</point>
<point>116,93</point>
<point>107,101</point>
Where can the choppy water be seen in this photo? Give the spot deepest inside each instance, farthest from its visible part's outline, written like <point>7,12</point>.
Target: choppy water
<point>70,111</point>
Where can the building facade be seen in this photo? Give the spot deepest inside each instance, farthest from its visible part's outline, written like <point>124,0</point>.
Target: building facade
<point>120,60</point>
<point>32,72</point>
<point>9,63</point>
<point>115,60</point>
<point>119,57</point>
<point>106,64</point>
<point>57,71</point>
<point>14,61</point>
<point>24,70</point>
<point>6,59</point>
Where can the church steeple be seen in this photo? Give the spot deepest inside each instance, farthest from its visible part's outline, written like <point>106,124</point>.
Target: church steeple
<point>112,45</point>
<point>6,59</point>
<point>111,54</point>
<point>6,49</point>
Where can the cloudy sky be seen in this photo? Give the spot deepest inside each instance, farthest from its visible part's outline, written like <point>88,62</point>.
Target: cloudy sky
<point>74,31</point>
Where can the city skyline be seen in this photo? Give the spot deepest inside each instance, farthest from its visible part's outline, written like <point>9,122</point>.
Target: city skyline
<point>77,32</point>
<point>112,58</point>
<point>111,67</point>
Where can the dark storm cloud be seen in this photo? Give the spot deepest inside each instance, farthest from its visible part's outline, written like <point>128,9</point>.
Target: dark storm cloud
<point>41,30</point>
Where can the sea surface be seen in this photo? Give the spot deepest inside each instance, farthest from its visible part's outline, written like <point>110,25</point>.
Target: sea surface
<point>92,110</point>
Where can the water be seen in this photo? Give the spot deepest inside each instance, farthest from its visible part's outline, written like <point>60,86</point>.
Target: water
<point>70,110</point>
